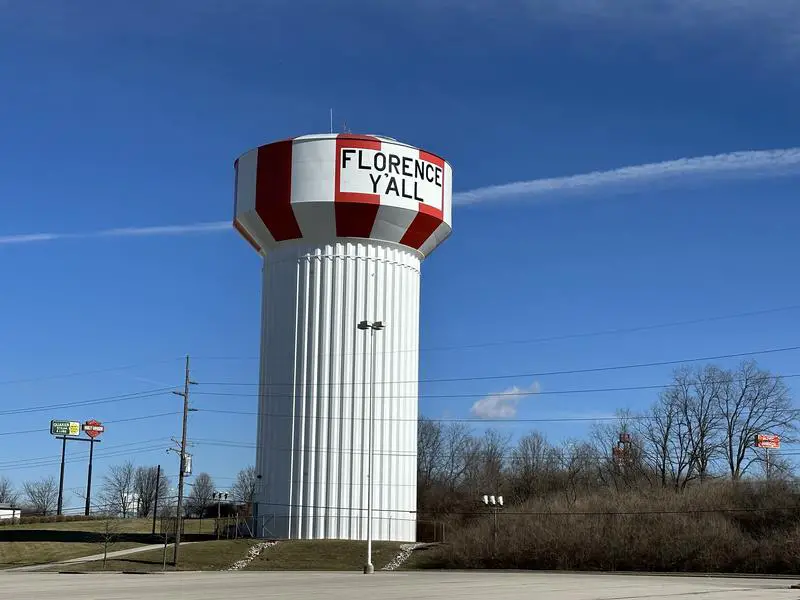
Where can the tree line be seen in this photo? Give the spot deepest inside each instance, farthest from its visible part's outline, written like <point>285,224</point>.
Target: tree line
<point>701,427</point>
<point>678,486</point>
<point>127,490</point>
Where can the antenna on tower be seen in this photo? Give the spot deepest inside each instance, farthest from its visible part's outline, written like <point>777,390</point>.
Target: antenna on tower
<point>331,120</point>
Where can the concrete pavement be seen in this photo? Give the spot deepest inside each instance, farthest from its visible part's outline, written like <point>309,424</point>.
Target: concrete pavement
<point>386,586</point>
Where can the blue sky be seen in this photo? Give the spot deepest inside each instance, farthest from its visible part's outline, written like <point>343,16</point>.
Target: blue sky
<point>120,115</point>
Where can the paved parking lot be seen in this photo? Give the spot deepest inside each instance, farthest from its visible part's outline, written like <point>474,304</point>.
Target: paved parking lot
<point>386,586</point>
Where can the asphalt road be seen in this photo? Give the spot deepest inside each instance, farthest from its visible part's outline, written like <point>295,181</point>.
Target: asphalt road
<point>385,586</point>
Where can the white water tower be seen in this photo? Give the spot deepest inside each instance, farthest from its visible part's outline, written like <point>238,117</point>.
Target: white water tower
<point>343,223</point>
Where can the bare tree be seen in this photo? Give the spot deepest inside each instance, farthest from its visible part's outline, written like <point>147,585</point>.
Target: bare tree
<point>146,484</point>
<point>578,461</point>
<point>246,484</point>
<point>531,466</point>
<point>119,489</point>
<point>485,469</point>
<point>110,536</point>
<point>42,494</point>
<point>619,470</point>
<point>694,393</point>
<point>430,446</point>
<point>665,445</point>
<point>202,494</point>
<point>7,493</point>
<point>752,401</point>
<point>459,454</point>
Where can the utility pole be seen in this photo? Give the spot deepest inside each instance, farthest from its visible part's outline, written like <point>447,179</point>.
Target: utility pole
<point>155,503</point>
<point>185,393</point>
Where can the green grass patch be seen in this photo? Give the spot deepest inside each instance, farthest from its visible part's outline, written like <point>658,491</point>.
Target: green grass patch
<point>292,555</point>
<point>198,556</point>
<point>323,555</point>
<point>43,543</point>
<point>23,554</point>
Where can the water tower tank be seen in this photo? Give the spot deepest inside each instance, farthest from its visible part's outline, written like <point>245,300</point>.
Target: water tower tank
<point>343,223</point>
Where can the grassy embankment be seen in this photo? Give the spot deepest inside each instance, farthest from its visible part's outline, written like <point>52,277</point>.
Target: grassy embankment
<point>42,543</point>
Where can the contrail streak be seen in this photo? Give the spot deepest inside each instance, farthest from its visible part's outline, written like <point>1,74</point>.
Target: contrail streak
<point>733,165</point>
<point>730,166</point>
<point>168,230</point>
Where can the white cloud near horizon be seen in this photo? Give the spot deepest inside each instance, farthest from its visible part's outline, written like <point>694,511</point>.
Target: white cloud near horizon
<point>728,166</point>
<point>503,405</point>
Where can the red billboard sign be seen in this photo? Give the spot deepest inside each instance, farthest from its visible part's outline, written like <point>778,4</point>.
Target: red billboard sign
<point>768,441</point>
<point>93,428</point>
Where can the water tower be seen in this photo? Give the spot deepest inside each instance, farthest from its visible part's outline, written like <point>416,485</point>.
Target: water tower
<point>343,223</point>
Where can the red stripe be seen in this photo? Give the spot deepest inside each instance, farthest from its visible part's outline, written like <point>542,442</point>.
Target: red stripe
<point>432,158</point>
<point>428,218</point>
<point>422,227</point>
<point>355,137</point>
<point>355,219</point>
<point>274,191</point>
<point>439,162</point>
<point>355,212</point>
<point>246,235</point>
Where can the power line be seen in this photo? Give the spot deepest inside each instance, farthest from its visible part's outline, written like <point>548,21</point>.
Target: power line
<point>105,400</point>
<point>491,343</point>
<point>509,512</point>
<point>101,456</point>
<point>562,337</point>
<point>128,420</point>
<point>88,372</point>
<point>508,394</point>
<point>160,391</point>
<point>442,420</point>
<point>620,367</point>
<point>397,454</point>
<point>400,420</point>
<point>81,455</point>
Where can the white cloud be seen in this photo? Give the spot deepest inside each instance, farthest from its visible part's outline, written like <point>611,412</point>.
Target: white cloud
<point>733,165</point>
<point>169,230</point>
<point>503,405</point>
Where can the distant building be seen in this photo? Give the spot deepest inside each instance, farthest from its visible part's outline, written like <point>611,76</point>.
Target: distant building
<point>8,512</point>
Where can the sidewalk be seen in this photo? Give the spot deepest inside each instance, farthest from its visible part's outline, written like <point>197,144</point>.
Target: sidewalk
<point>93,557</point>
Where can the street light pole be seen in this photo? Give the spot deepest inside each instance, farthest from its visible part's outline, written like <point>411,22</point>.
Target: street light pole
<point>372,327</point>
<point>496,503</point>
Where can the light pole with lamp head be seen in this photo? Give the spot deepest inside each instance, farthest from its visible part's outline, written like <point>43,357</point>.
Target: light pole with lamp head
<point>372,327</point>
<point>218,496</point>
<point>496,502</point>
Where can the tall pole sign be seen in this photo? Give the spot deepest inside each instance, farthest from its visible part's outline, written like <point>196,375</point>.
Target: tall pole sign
<point>71,430</point>
<point>63,430</point>
<point>93,429</point>
<point>767,442</point>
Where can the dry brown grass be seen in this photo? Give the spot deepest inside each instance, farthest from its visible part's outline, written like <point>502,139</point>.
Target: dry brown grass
<point>655,530</point>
